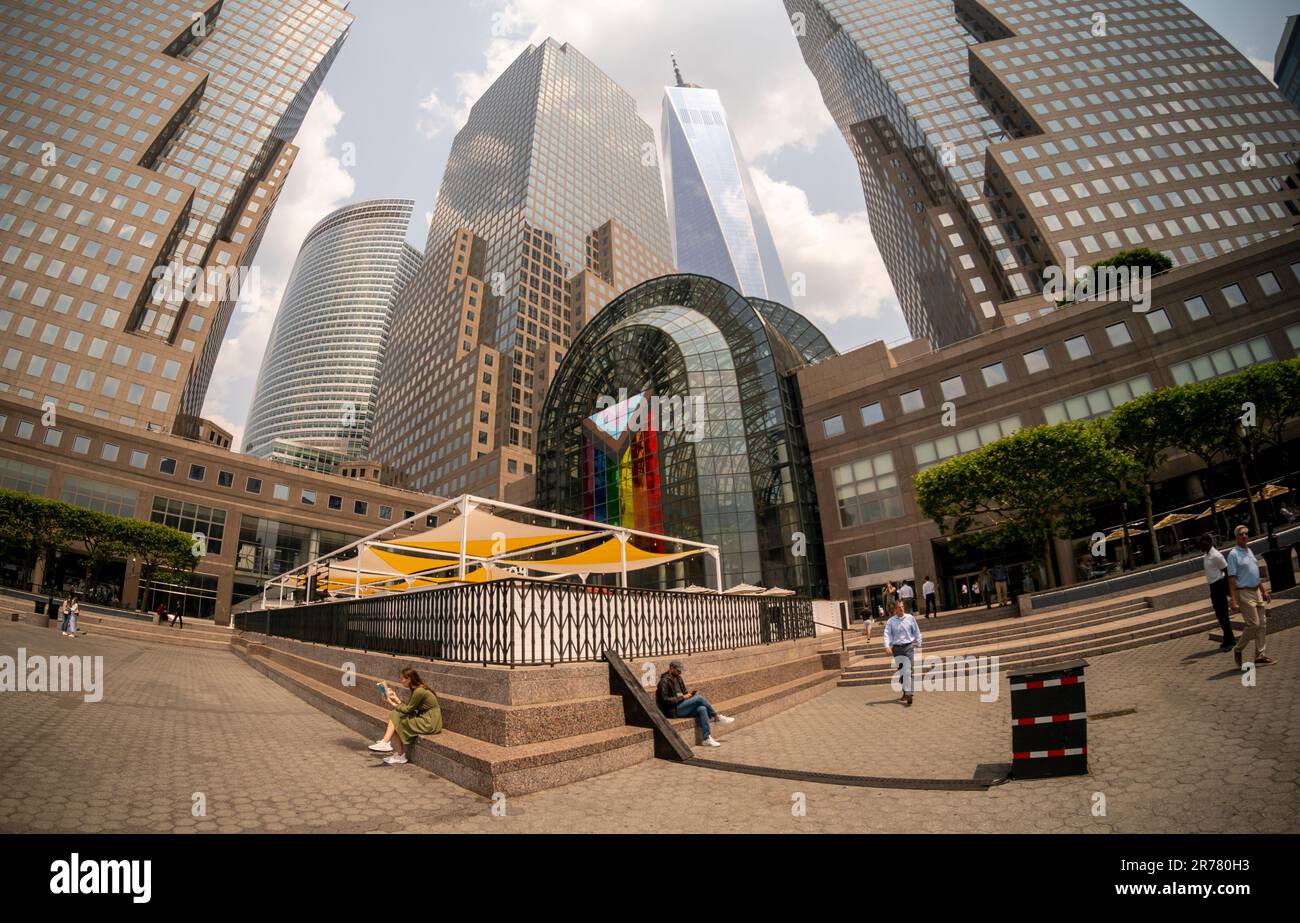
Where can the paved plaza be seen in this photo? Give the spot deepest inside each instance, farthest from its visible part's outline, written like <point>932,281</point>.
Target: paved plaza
<point>1202,753</point>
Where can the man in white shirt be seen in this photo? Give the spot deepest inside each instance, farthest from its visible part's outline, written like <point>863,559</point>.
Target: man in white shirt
<point>905,595</point>
<point>1216,575</point>
<point>931,601</point>
<point>902,635</point>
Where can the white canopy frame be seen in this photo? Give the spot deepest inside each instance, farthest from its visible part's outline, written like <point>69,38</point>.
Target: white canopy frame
<point>465,505</point>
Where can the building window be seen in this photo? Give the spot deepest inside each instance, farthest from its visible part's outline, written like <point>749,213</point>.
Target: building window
<point>166,466</point>
<point>53,437</point>
<point>867,491</point>
<point>880,563</point>
<point>253,485</point>
<point>335,503</point>
<point>308,497</point>
<point>952,388</point>
<point>108,452</point>
<point>385,512</point>
<point>280,491</point>
<point>1222,361</point>
<point>102,498</point>
<point>937,450</point>
<point>1118,334</point>
<point>81,445</point>
<point>22,477</point>
<point>1097,403</point>
<point>198,472</point>
<point>225,479</point>
<point>872,414</point>
<point>1077,347</point>
<point>1196,307</point>
<point>1233,295</point>
<point>139,459</point>
<point>1036,361</point>
<point>911,401</point>
<point>1268,283</point>
<point>192,518</point>
<point>360,507</point>
<point>994,375</point>
<point>833,426</point>
<point>1158,320</point>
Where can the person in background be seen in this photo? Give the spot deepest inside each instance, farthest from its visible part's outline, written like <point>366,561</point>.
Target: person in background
<point>927,590</point>
<point>1000,584</point>
<point>902,635</point>
<point>419,716</point>
<point>676,702</point>
<point>65,610</point>
<point>906,595</point>
<point>1216,575</point>
<point>985,584</point>
<point>1247,593</point>
<point>73,609</point>
<point>965,594</point>
<point>178,620</point>
<point>1027,585</point>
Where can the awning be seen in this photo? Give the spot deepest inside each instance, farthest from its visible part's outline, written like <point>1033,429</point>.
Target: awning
<point>486,535</point>
<point>1220,506</point>
<point>605,558</point>
<point>1272,490</point>
<point>743,589</point>
<point>1174,519</point>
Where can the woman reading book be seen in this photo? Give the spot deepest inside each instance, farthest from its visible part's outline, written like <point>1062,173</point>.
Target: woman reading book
<point>420,715</point>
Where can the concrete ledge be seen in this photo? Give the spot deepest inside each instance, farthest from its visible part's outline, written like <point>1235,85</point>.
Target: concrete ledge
<point>40,621</point>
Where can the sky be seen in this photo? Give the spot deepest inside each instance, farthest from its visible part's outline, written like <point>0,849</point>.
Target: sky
<point>384,118</point>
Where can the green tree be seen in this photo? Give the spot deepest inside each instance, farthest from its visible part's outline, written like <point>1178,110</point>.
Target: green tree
<point>1032,486</point>
<point>160,550</point>
<point>1205,423</point>
<point>1146,428</point>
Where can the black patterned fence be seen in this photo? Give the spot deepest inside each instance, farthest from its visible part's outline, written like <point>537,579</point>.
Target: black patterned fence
<point>527,623</point>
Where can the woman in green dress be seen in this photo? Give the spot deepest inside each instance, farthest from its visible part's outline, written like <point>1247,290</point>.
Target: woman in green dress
<point>420,715</point>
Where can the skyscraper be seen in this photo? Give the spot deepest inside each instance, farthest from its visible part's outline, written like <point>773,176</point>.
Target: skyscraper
<point>320,373</point>
<point>716,220</point>
<point>551,204</point>
<point>143,143</point>
<point>996,138</point>
<point>1286,62</point>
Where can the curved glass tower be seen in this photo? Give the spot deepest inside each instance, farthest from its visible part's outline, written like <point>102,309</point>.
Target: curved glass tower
<point>716,220</point>
<point>320,373</point>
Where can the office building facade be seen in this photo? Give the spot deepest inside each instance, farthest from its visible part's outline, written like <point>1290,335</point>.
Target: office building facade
<point>878,416</point>
<point>716,220</point>
<point>319,379</point>
<point>998,138</point>
<point>144,147</point>
<point>1286,62</point>
<point>551,204</point>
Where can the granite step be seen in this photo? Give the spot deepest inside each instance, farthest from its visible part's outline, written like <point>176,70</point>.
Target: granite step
<point>477,765</point>
<point>133,630</point>
<point>1027,626</point>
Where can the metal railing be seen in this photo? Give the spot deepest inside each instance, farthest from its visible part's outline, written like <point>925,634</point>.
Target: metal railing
<point>529,623</point>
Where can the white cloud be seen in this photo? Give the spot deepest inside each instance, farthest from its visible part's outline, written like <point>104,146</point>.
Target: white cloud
<point>1264,67</point>
<point>318,183</point>
<point>437,116</point>
<point>844,276</point>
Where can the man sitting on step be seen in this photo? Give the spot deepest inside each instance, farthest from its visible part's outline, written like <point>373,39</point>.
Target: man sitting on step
<point>676,702</point>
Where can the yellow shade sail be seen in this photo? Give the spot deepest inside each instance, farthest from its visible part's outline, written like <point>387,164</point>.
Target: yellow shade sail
<point>485,535</point>
<point>605,558</point>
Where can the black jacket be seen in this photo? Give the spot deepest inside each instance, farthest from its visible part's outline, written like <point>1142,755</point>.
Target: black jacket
<point>666,694</point>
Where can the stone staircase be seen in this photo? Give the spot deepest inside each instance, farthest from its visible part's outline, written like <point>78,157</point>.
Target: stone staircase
<point>1091,628</point>
<point>196,633</point>
<point>531,728</point>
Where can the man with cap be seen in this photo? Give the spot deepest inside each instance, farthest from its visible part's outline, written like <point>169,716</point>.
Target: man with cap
<point>676,702</point>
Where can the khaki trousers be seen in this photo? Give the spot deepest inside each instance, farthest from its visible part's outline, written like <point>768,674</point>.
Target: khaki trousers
<point>1253,611</point>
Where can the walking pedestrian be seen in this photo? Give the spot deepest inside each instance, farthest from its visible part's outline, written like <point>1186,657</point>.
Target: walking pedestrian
<point>902,636</point>
<point>931,600</point>
<point>1000,583</point>
<point>1247,594</point>
<point>906,595</point>
<point>1216,575</point>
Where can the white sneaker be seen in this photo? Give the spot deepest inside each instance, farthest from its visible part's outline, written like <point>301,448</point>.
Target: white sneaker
<point>396,759</point>
<point>711,742</point>
<point>382,746</point>
<point>723,719</point>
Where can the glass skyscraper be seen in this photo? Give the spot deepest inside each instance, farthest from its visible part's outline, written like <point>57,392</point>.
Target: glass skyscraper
<point>997,138</point>
<point>551,204</point>
<point>716,220</point>
<point>320,373</point>
<point>143,142</point>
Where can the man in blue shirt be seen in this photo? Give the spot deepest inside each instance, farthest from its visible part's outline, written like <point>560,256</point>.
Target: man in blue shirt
<point>1249,596</point>
<point>901,635</point>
